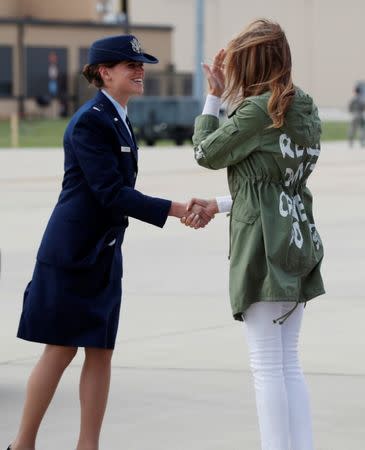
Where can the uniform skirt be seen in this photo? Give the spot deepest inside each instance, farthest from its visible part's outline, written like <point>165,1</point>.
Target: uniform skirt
<point>77,308</point>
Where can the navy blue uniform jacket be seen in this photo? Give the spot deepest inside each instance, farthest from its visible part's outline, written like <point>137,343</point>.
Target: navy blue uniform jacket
<point>75,292</point>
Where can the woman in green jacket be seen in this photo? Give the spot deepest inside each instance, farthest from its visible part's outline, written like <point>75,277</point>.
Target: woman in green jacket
<point>270,145</point>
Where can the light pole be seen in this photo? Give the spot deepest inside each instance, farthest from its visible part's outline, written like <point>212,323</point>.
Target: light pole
<point>125,12</point>
<point>199,51</point>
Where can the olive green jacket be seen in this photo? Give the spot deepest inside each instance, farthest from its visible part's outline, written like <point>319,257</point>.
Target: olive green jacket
<point>276,251</point>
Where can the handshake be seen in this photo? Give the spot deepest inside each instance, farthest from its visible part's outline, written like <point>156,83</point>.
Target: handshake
<point>198,213</point>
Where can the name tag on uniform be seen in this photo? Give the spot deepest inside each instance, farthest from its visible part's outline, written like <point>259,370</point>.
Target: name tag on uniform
<point>125,149</point>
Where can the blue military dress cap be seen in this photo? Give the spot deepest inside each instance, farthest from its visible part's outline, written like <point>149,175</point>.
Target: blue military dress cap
<point>118,48</point>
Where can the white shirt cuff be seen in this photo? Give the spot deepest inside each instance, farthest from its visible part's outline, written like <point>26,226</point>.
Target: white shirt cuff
<point>224,203</point>
<point>212,105</point>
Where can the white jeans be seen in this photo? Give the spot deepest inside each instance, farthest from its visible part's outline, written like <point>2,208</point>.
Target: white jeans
<point>282,398</point>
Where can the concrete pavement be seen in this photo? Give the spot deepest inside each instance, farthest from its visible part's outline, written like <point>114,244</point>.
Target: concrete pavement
<point>180,372</point>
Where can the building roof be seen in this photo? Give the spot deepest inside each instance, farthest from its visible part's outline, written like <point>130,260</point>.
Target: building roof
<point>84,23</point>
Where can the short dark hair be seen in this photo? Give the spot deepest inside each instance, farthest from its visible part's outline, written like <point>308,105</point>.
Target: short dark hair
<point>92,73</point>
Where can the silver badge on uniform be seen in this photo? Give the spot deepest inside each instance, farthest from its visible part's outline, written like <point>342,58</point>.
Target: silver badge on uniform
<point>125,149</point>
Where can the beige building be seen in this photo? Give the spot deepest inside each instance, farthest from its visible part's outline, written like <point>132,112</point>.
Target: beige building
<point>43,46</point>
<point>325,36</point>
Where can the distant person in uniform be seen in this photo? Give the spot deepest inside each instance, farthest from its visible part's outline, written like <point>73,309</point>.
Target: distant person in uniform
<point>270,145</point>
<point>74,297</point>
<point>357,110</point>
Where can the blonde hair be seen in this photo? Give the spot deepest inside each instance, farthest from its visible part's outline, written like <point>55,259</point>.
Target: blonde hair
<point>259,60</point>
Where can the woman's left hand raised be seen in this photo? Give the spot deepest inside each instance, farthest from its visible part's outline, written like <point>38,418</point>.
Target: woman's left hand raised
<point>215,74</point>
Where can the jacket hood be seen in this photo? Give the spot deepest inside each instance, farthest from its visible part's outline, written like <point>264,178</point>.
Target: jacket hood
<point>302,122</point>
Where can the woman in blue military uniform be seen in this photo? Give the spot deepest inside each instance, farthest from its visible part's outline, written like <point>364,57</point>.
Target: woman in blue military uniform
<point>74,297</point>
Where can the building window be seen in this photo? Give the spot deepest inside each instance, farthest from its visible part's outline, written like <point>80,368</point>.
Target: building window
<point>83,56</point>
<point>170,84</point>
<point>6,72</point>
<point>46,70</point>
<point>152,85</point>
<point>187,84</point>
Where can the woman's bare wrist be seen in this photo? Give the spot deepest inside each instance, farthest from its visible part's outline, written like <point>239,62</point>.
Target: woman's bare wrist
<point>177,209</point>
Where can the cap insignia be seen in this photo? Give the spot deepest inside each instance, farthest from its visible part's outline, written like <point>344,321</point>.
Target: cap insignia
<point>136,46</point>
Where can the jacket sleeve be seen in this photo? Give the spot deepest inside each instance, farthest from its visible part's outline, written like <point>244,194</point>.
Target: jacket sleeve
<point>217,146</point>
<point>99,163</point>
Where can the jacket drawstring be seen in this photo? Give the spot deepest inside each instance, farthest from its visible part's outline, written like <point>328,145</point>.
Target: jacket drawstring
<point>280,320</point>
<point>230,234</point>
<point>230,226</point>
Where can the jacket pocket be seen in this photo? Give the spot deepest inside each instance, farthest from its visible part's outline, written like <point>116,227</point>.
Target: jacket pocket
<point>74,245</point>
<point>246,218</point>
<point>90,282</point>
<point>243,211</point>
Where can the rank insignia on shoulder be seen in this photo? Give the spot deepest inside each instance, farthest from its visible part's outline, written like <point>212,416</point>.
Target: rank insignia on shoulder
<point>97,109</point>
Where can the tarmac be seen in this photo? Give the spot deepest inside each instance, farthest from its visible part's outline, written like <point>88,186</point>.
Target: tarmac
<point>180,377</point>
